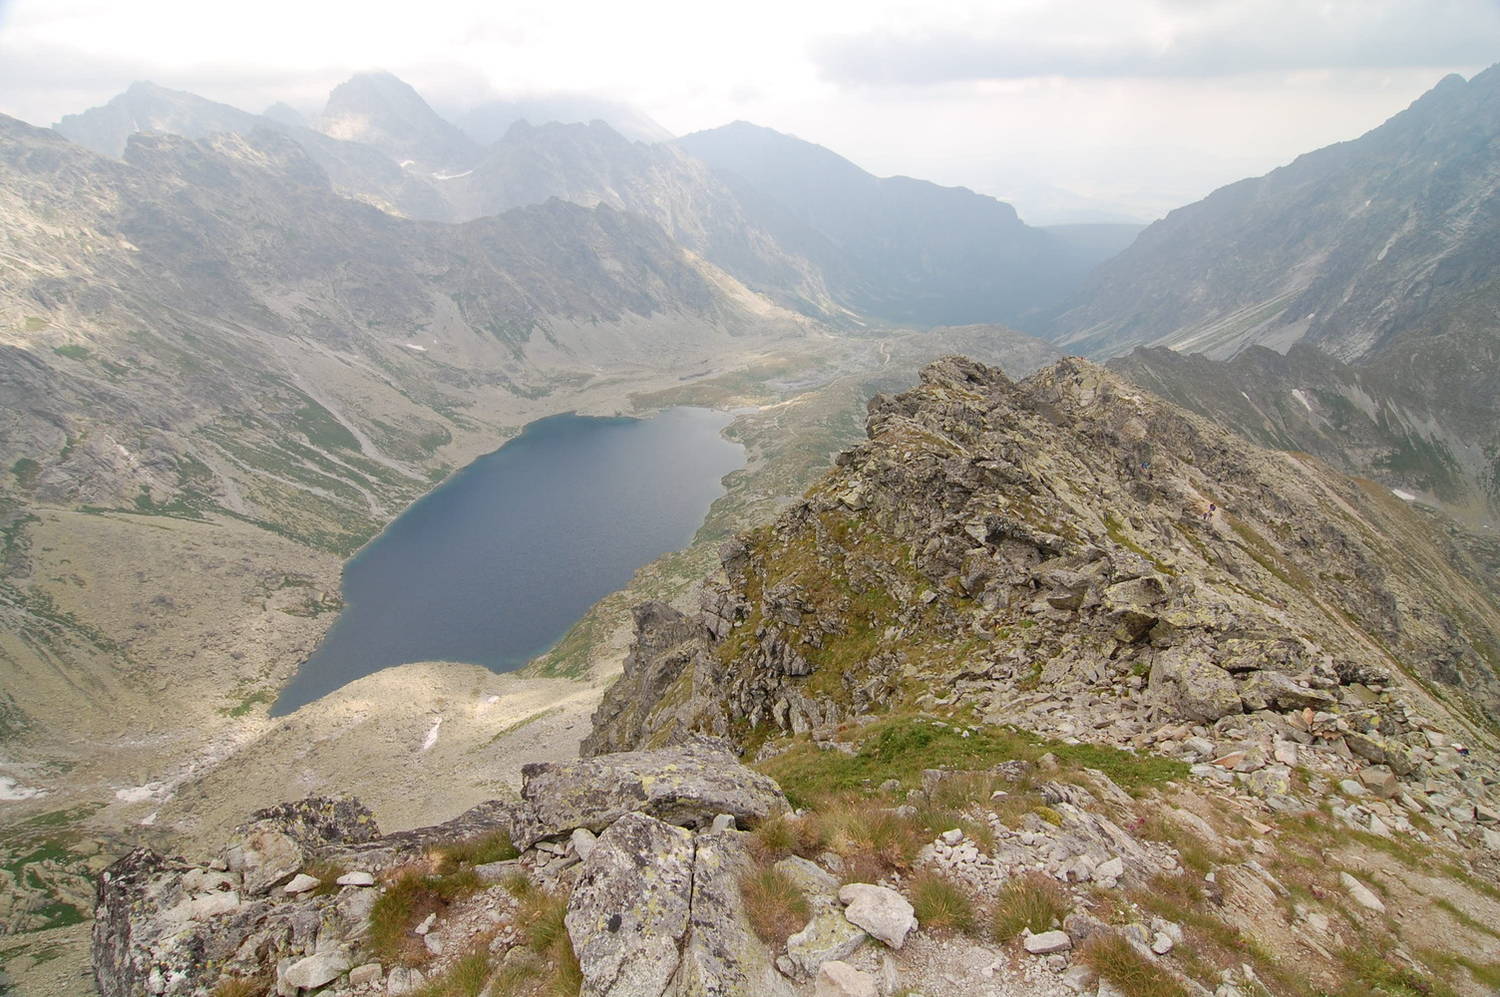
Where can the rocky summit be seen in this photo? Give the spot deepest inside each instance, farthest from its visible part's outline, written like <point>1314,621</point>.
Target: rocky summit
<point>1047,688</point>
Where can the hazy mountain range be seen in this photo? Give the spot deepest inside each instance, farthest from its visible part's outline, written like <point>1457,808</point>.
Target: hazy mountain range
<point>1381,252</point>
<point>789,219</point>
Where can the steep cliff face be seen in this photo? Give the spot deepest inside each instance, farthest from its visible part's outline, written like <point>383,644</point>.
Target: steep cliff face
<point>995,544</point>
<point>1375,420</point>
<point>1344,248</point>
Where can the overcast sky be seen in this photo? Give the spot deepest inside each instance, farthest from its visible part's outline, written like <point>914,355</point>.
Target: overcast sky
<point>1127,106</point>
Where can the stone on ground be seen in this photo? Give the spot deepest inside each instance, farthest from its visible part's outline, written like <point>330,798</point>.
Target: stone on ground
<point>881,911</point>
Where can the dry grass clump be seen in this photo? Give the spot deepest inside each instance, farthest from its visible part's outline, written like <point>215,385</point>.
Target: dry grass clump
<point>784,835</point>
<point>774,904</point>
<point>480,850</point>
<point>1035,901</point>
<point>465,978</point>
<point>1115,960</point>
<point>872,839</point>
<point>241,986</point>
<point>407,900</point>
<point>547,965</point>
<point>940,903</point>
<point>327,875</point>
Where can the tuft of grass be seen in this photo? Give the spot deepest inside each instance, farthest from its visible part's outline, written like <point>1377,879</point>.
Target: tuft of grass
<point>773,903</point>
<point>409,898</point>
<point>546,936</point>
<point>1115,960</point>
<point>784,835</point>
<point>940,903</point>
<point>1368,971</point>
<point>900,747</point>
<point>872,839</point>
<point>240,986</point>
<point>1035,901</point>
<point>327,874</point>
<point>465,978</point>
<point>480,850</point>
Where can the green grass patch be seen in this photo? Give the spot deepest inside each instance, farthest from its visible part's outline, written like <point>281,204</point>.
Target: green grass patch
<point>1113,958</point>
<point>1034,902</point>
<point>901,747</point>
<point>940,903</point>
<point>73,351</point>
<point>26,471</point>
<point>405,903</point>
<point>479,850</point>
<point>774,905</point>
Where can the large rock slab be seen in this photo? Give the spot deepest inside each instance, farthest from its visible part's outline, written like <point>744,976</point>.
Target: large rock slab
<point>828,935</point>
<point>723,957</point>
<point>881,911</point>
<point>1190,686</point>
<point>276,842</point>
<point>630,908</point>
<point>687,786</point>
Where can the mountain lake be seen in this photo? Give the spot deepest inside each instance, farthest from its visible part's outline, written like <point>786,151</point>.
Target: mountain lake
<point>494,565</point>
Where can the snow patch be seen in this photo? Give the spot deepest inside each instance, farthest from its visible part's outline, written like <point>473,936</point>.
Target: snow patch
<point>1297,394</point>
<point>451,176</point>
<point>492,700</point>
<point>12,790</point>
<point>1403,495</point>
<point>432,734</point>
<point>414,346</point>
<point>139,794</point>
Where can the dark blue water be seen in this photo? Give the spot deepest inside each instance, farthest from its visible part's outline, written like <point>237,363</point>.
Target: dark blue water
<point>494,566</point>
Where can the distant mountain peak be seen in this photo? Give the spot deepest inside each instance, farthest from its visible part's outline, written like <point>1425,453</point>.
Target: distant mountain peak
<point>382,110</point>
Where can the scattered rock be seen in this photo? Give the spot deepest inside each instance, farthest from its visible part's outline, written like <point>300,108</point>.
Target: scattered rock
<point>1362,894</point>
<point>839,979</point>
<point>687,786</point>
<point>316,970</point>
<point>301,883</point>
<point>881,911</point>
<point>1047,942</point>
<point>369,973</point>
<point>828,935</point>
<point>356,879</point>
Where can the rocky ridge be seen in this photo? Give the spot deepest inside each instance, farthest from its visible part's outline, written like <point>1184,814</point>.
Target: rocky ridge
<point>1071,535</point>
<point>1073,715</point>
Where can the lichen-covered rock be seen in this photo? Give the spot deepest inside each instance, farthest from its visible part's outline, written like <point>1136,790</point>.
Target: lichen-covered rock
<point>1189,686</point>
<point>688,785</point>
<point>1275,690</point>
<point>827,935</point>
<point>722,956</point>
<point>128,893</point>
<point>270,847</point>
<point>666,646</point>
<point>629,911</point>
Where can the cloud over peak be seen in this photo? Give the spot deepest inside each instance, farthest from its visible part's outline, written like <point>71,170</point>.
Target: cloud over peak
<point>1169,38</point>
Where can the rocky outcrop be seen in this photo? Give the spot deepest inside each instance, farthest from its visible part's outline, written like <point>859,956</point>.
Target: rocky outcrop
<point>1072,555</point>
<point>629,910</point>
<point>653,902</point>
<point>687,786</point>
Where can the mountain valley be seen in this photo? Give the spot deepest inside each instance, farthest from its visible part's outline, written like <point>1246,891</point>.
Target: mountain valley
<point>1190,656</point>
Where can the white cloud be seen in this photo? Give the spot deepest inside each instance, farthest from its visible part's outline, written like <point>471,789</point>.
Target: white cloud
<point>1169,38</point>
<point>1142,104</point>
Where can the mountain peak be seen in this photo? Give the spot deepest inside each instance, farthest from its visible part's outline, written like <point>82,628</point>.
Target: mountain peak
<point>380,109</point>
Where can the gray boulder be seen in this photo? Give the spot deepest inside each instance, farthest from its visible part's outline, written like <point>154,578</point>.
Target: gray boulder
<point>1188,685</point>
<point>688,786</point>
<point>630,908</point>
<point>722,956</point>
<point>881,911</point>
